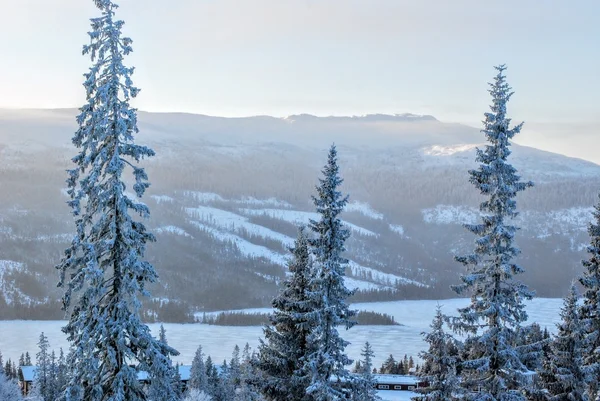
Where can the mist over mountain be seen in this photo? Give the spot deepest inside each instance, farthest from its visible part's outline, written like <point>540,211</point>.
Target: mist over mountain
<point>227,195</point>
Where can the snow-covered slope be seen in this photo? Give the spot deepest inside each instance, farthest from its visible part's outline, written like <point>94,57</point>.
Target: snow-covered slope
<point>227,196</point>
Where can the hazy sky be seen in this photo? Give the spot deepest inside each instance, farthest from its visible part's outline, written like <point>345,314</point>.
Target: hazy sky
<point>279,57</point>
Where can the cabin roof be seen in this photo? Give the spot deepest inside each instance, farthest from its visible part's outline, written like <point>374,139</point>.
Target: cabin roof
<point>28,373</point>
<point>396,379</point>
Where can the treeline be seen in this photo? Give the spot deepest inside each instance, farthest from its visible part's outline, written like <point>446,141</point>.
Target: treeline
<point>391,366</point>
<point>367,318</point>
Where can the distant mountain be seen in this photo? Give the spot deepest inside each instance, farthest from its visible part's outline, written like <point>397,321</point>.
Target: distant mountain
<point>228,193</point>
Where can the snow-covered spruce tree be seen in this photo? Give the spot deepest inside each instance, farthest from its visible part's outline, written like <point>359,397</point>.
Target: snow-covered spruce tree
<point>161,387</point>
<point>326,361</point>
<point>9,389</point>
<point>497,306</point>
<point>102,271</point>
<point>441,363</point>
<point>364,388</point>
<point>198,375</point>
<point>562,377</point>
<point>248,390</point>
<point>284,348</point>
<point>61,373</point>
<point>590,310</point>
<point>43,373</point>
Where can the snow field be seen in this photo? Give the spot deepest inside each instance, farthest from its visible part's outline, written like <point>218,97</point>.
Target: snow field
<point>218,341</point>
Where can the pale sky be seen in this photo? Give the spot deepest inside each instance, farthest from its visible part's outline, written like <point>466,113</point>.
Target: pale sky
<point>325,57</point>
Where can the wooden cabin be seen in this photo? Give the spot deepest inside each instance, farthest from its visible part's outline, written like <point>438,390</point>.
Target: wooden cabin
<point>399,382</point>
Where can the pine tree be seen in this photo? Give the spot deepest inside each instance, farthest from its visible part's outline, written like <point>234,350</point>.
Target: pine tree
<point>590,310</point>
<point>444,384</point>
<point>284,348</point>
<point>364,387</point>
<point>43,374</point>
<point>1,363</point>
<point>326,361</point>
<point>28,359</point>
<point>563,375</point>
<point>104,265</point>
<point>198,372</point>
<point>497,299</point>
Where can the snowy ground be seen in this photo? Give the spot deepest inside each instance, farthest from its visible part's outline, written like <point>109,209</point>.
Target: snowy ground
<point>218,341</point>
<point>396,395</point>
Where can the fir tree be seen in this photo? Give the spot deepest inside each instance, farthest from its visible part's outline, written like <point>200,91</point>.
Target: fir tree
<point>326,360</point>
<point>389,366</point>
<point>1,363</point>
<point>497,299</point>
<point>563,375</point>
<point>104,265</point>
<point>444,384</point>
<point>198,372</point>
<point>284,348</point>
<point>43,374</point>
<point>28,359</point>
<point>161,387</point>
<point>364,388</point>
<point>162,335</point>
<point>590,310</point>
<point>248,390</point>
<point>61,372</point>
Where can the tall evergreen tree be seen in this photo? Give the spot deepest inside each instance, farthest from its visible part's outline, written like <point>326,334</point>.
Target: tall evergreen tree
<point>590,310</point>
<point>562,376</point>
<point>43,373</point>
<point>364,388</point>
<point>326,360</point>
<point>162,387</point>
<point>441,363</point>
<point>103,267</point>
<point>198,372</point>
<point>284,348</point>
<point>497,299</point>
<point>61,372</point>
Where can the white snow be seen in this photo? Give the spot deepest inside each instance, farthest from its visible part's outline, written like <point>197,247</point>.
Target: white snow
<point>162,199</point>
<point>380,277</point>
<point>438,150</point>
<point>218,341</point>
<point>398,229</point>
<point>245,247</point>
<point>172,230</point>
<point>388,395</point>
<point>300,217</point>
<point>365,209</point>
<point>450,214</point>
<point>235,223</point>
<point>249,200</point>
<point>203,197</point>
